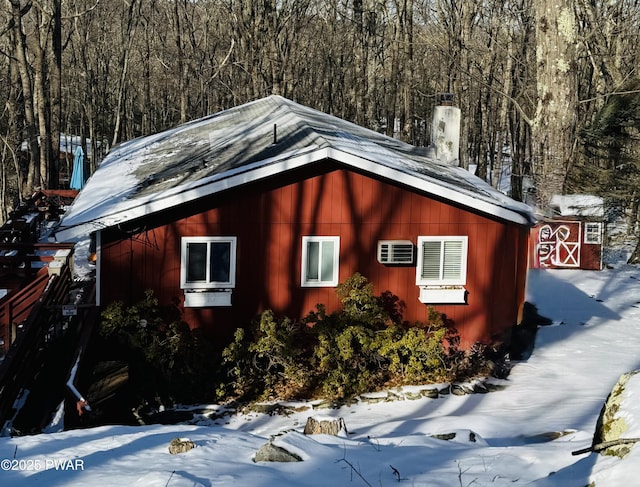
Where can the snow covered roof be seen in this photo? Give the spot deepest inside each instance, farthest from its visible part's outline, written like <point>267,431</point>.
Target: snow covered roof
<point>585,205</point>
<point>258,140</point>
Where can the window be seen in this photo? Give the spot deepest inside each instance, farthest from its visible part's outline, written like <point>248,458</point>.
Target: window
<point>442,261</point>
<point>208,262</point>
<point>320,261</point>
<point>592,233</point>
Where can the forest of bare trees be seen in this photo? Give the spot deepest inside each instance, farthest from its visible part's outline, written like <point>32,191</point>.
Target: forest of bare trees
<point>532,77</point>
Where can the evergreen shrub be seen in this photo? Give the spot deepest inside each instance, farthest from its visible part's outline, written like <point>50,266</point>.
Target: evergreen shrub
<point>363,347</point>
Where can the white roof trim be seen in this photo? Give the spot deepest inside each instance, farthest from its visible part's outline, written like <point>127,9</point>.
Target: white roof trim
<point>436,189</point>
<point>204,187</point>
<point>268,167</point>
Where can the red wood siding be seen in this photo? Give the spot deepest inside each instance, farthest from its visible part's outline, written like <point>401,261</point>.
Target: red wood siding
<point>269,223</point>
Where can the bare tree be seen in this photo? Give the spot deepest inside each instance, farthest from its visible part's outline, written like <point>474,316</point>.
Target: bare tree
<point>128,36</point>
<point>26,83</point>
<point>526,75</point>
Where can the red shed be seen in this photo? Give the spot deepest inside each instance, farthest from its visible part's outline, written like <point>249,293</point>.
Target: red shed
<point>572,238</point>
<point>271,204</point>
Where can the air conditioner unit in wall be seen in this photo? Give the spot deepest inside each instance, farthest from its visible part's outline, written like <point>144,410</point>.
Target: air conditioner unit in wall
<point>396,252</point>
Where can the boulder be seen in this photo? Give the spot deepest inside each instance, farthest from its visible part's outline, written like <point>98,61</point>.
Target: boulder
<point>325,426</point>
<point>612,428</point>
<point>292,446</point>
<point>181,445</point>
<point>461,436</point>
<point>431,393</point>
<point>273,453</point>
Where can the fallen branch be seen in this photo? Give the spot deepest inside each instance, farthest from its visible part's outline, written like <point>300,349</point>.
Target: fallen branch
<point>354,469</point>
<point>396,472</point>
<point>598,447</point>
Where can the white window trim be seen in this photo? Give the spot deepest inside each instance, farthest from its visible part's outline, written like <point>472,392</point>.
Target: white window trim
<point>305,282</point>
<point>586,233</point>
<point>442,282</point>
<point>184,284</point>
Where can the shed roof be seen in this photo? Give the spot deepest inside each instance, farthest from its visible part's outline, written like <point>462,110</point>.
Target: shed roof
<point>257,140</point>
<point>578,205</point>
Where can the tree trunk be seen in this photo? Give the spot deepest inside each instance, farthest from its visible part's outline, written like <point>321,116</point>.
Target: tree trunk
<point>360,44</point>
<point>554,127</point>
<point>634,219</point>
<point>408,132</point>
<point>502,118</point>
<point>42,113</point>
<point>132,24</point>
<point>55,105</point>
<point>181,68</point>
<point>33,172</point>
<point>13,136</point>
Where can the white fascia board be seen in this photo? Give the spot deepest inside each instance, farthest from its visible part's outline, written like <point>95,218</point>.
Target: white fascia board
<point>204,187</point>
<point>270,167</point>
<point>430,187</point>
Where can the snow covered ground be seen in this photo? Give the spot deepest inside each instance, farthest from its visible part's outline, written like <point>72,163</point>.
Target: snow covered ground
<point>559,390</point>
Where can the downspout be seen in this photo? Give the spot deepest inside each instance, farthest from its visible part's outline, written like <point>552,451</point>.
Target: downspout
<point>81,404</point>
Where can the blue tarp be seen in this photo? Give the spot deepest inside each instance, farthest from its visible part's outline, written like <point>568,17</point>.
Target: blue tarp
<point>78,177</point>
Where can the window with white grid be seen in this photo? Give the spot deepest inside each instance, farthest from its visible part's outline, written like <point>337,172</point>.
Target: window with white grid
<point>442,261</point>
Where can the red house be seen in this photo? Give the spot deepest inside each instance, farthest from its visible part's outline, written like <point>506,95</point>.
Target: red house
<point>271,204</point>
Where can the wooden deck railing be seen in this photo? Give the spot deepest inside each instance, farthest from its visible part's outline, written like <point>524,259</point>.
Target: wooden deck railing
<point>27,257</point>
<point>15,309</point>
<point>23,357</point>
<point>20,259</point>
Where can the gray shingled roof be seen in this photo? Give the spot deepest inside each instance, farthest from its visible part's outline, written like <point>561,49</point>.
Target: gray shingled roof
<point>236,146</point>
